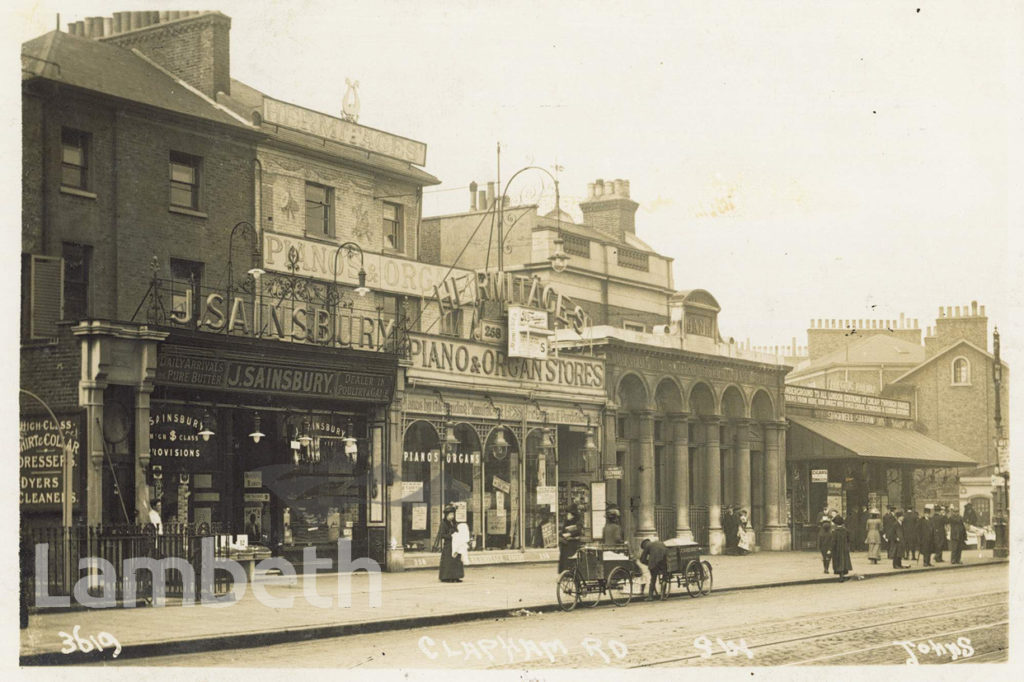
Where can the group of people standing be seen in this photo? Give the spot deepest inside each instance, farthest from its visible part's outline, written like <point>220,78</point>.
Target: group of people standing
<point>901,534</point>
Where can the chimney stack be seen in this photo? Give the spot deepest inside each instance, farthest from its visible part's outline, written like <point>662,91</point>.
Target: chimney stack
<point>472,196</point>
<point>490,194</point>
<point>609,208</point>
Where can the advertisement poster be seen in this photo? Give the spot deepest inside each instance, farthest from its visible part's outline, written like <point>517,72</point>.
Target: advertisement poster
<point>460,512</point>
<point>547,495</point>
<point>252,479</point>
<point>501,484</point>
<point>419,516</point>
<point>412,491</point>
<point>497,522</point>
<point>42,461</point>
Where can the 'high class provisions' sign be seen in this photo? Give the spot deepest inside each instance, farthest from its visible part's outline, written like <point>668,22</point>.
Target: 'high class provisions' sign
<point>174,440</point>
<point>265,377</point>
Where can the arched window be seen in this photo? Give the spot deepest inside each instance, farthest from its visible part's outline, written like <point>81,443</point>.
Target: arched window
<point>961,372</point>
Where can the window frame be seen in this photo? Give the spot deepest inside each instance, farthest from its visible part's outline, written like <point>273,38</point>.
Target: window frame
<point>636,326</point>
<point>84,139</point>
<point>953,379</point>
<point>451,322</point>
<point>327,205</point>
<point>35,263</point>
<point>195,164</point>
<point>84,251</point>
<point>398,223</point>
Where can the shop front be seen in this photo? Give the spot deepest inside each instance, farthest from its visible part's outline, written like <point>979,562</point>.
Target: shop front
<point>509,441</point>
<point>854,453</point>
<point>280,446</point>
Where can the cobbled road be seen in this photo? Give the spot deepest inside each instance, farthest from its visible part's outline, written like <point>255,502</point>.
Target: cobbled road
<point>947,617</point>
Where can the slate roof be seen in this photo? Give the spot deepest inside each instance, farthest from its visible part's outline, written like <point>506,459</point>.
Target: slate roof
<point>116,72</point>
<point>879,349</point>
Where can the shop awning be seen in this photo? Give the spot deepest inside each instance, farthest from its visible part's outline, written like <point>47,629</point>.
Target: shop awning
<point>816,439</point>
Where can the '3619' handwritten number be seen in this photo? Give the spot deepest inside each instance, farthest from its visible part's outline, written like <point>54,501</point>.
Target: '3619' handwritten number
<point>75,642</point>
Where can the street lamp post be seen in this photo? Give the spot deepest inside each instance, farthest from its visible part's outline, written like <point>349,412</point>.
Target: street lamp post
<point>558,259</point>
<point>1001,520</point>
<point>255,270</point>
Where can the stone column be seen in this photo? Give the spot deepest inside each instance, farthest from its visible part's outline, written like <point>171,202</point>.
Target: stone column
<point>713,483</point>
<point>646,526</point>
<point>681,445</point>
<point>743,464</point>
<point>142,492</point>
<point>776,533</point>
<point>92,400</point>
<point>393,512</point>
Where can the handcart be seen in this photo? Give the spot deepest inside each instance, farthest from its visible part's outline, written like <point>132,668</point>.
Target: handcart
<point>686,569</point>
<point>596,570</point>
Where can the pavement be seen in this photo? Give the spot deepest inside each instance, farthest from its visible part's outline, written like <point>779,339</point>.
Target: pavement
<point>406,600</point>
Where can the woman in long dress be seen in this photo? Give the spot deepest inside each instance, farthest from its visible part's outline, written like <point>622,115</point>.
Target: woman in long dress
<point>874,536</point>
<point>825,541</point>
<point>744,540</point>
<point>841,564</point>
<point>451,570</point>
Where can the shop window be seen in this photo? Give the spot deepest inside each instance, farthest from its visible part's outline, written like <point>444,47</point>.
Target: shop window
<point>184,172</point>
<point>394,230</point>
<point>75,152</point>
<point>319,212</point>
<point>633,326</point>
<point>77,259</point>
<point>961,372</point>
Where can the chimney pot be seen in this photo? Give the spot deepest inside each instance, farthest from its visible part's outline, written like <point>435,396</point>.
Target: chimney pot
<point>108,26</point>
<point>172,15</point>
<point>163,16</point>
<point>901,320</point>
<point>472,196</point>
<point>974,308</point>
<point>482,200</point>
<point>983,311</point>
<point>916,324</point>
<point>618,187</point>
<point>625,189</point>
<point>949,311</point>
<point>590,190</point>
<point>490,194</point>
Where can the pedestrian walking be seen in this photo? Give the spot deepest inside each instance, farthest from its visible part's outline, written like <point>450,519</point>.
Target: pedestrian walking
<point>729,527</point>
<point>570,539</point>
<point>910,521</point>
<point>873,526</point>
<point>896,542</point>
<point>938,534</point>
<point>887,522</point>
<point>450,570</point>
<point>924,535</point>
<point>744,535</point>
<point>825,541</point>
<point>957,537</point>
<point>655,555</point>
<point>612,534</point>
<point>841,564</point>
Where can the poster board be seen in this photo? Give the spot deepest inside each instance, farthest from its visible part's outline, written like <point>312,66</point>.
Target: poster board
<point>419,516</point>
<point>412,491</point>
<point>547,495</point>
<point>497,522</point>
<point>549,533</point>
<point>460,511</point>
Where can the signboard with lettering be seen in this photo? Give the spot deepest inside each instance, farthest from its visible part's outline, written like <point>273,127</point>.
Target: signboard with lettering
<point>819,475</point>
<point>251,479</point>
<point>198,369</point>
<point>447,359</point>
<point>547,495</point>
<point>257,497</point>
<point>527,333</point>
<point>41,461</point>
<point>501,484</point>
<point>613,472</point>
<point>700,325</point>
<point>419,516</point>
<point>174,440</point>
<point>412,491</point>
<point>344,132</point>
<point>824,399</point>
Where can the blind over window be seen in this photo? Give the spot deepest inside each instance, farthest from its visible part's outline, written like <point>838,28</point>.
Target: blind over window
<point>47,282</point>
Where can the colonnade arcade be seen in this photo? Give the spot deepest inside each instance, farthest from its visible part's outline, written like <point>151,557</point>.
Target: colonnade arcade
<point>689,449</point>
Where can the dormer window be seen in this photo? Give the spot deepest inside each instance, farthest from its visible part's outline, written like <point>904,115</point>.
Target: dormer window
<point>961,372</point>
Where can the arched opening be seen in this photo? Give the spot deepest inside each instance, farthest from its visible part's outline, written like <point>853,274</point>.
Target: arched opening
<point>667,429</point>
<point>633,399</point>
<point>541,495</point>
<point>762,411</point>
<point>500,488</point>
<point>421,489</point>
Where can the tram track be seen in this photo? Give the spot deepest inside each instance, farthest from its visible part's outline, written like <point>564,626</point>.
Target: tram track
<point>842,636</point>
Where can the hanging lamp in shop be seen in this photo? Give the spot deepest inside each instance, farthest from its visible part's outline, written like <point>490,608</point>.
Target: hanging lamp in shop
<point>256,434</point>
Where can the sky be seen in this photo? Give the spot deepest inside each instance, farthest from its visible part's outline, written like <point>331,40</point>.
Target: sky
<point>797,159</point>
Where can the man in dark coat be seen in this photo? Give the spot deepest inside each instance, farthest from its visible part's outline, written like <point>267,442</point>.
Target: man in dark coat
<point>571,537</point>
<point>910,521</point>
<point>887,523</point>
<point>841,564</point>
<point>957,537</point>
<point>938,534</point>
<point>924,536</point>
<point>897,541</point>
<point>655,555</point>
<point>970,516</point>
<point>729,527</point>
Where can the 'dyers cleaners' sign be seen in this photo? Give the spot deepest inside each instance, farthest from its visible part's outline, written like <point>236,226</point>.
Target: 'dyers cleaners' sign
<point>41,460</point>
<point>174,440</point>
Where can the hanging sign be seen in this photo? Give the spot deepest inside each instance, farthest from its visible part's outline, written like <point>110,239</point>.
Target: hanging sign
<point>501,485</point>
<point>819,475</point>
<point>257,497</point>
<point>460,511</point>
<point>613,472</point>
<point>253,479</point>
<point>527,333</point>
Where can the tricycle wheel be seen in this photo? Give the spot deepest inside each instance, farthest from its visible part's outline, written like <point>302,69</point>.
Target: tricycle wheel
<point>620,586</point>
<point>568,592</point>
<point>693,577</point>
<point>665,585</point>
<point>589,592</point>
<point>705,587</point>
